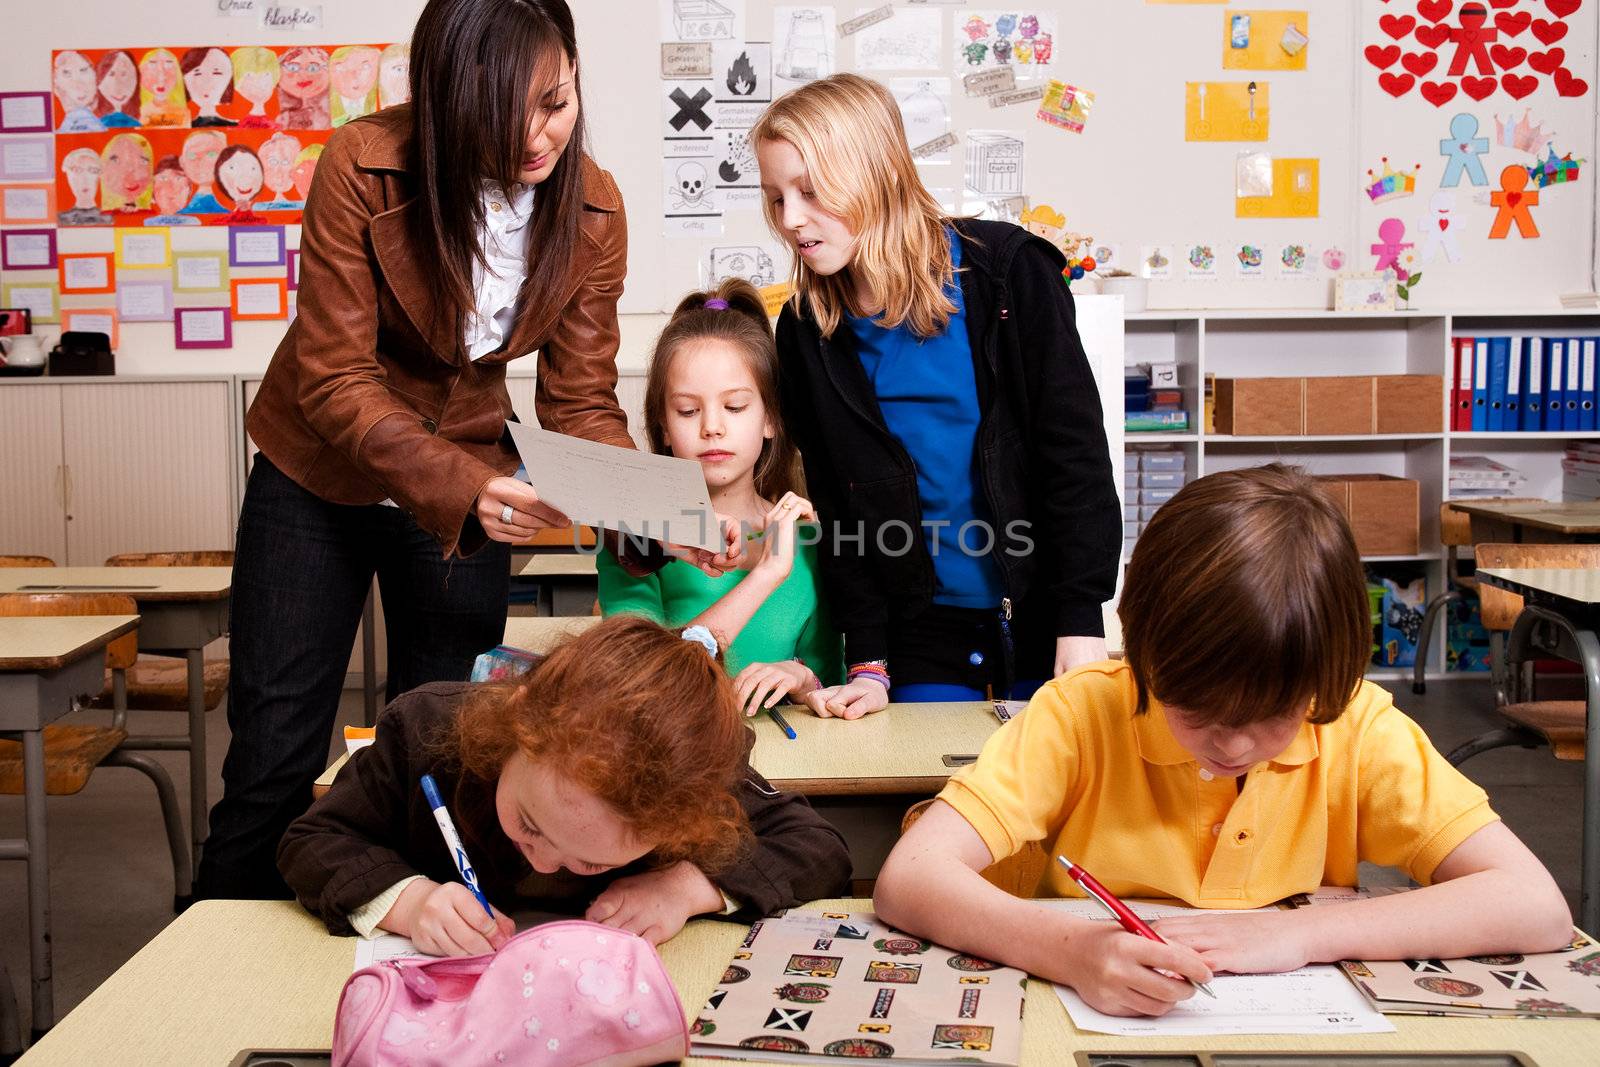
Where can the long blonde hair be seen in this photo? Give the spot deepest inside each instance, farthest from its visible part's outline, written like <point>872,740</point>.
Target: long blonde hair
<point>848,132</point>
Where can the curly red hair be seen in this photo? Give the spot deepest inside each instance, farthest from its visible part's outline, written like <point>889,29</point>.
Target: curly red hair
<point>636,715</point>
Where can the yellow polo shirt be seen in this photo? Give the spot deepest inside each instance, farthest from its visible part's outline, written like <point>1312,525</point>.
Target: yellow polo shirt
<point>1116,793</point>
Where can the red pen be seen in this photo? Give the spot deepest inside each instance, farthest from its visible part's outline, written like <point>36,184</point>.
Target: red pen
<point>1120,912</point>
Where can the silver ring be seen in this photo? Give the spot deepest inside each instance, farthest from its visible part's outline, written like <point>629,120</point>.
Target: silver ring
<point>506,513</point>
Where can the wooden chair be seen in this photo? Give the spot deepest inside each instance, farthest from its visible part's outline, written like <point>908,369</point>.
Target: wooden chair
<point>1455,533</point>
<point>1018,875</point>
<point>1529,723</point>
<point>160,683</point>
<point>26,561</point>
<point>72,751</point>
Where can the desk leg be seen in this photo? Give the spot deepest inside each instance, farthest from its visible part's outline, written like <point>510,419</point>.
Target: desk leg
<point>369,663</point>
<point>1589,888</point>
<point>44,1012</point>
<point>198,812</point>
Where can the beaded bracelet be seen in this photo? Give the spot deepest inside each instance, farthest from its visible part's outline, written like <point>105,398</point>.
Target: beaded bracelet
<point>875,669</point>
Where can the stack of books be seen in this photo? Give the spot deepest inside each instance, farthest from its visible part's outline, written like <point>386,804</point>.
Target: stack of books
<point>1480,476</point>
<point>1580,471</point>
<point>1152,401</point>
<point>1523,384</point>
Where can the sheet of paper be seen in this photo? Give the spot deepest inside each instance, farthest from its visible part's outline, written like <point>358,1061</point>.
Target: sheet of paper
<point>258,249</point>
<point>385,947</point>
<point>30,203</point>
<point>86,272</point>
<point>621,489</point>
<point>25,159</point>
<point>262,298</point>
<point>204,324</point>
<point>143,250</point>
<point>199,273</point>
<point>1312,1000</point>
<point>27,250</point>
<point>144,301</point>
<point>24,112</point>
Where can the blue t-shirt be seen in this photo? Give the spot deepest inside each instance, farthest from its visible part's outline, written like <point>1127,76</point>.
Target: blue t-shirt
<point>928,393</point>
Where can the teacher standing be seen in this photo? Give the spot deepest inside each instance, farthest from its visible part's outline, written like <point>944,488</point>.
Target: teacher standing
<point>442,239</point>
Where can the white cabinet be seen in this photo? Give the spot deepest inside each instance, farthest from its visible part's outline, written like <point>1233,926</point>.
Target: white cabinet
<point>97,467</point>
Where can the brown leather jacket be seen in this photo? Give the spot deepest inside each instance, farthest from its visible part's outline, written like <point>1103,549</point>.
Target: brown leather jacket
<point>371,393</point>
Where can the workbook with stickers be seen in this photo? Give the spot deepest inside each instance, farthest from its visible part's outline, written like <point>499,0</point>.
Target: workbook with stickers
<point>812,987</point>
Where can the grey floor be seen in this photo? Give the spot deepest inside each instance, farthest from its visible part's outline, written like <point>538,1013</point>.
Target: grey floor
<point>111,880</point>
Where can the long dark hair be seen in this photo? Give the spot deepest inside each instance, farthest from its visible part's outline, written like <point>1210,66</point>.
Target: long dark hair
<point>472,63</point>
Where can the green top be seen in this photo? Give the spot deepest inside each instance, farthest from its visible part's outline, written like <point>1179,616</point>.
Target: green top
<point>789,625</point>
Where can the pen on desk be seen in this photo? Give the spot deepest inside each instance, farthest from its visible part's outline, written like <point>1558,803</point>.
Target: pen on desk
<point>1120,911</point>
<point>783,724</point>
<point>452,841</point>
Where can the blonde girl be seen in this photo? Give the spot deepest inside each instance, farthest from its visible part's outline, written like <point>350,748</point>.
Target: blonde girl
<point>951,430</point>
<point>127,170</point>
<point>162,101</point>
<point>255,77</point>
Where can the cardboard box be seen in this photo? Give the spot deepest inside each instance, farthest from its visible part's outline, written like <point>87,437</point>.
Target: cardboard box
<point>1257,407</point>
<point>1339,405</point>
<point>1382,511</point>
<point>1408,403</point>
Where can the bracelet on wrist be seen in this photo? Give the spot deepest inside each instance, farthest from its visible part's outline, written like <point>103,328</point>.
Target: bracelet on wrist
<point>875,669</point>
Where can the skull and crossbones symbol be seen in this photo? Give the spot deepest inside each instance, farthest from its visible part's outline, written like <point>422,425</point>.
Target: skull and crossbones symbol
<point>690,189</point>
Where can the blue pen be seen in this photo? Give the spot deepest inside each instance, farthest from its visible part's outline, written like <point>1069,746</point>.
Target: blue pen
<point>453,842</point>
<point>783,724</point>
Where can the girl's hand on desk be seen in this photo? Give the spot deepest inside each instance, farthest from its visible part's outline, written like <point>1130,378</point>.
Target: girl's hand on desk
<point>761,685</point>
<point>529,514</point>
<point>656,904</point>
<point>1116,972</point>
<point>446,920</point>
<point>849,701</point>
<point>1256,943</point>
<point>1073,652</point>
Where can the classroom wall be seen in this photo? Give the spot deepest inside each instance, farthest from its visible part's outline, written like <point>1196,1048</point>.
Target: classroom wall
<point>1129,179</point>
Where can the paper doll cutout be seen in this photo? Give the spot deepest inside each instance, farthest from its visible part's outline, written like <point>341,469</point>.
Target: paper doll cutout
<point>1472,40</point>
<point>199,161</point>
<point>239,176</point>
<point>1514,200</point>
<point>1390,244</point>
<point>72,80</point>
<point>161,99</point>
<point>303,90</point>
<point>278,157</point>
<point>126,167</point>
<point>116,89</point>
<point>255,77</point>
<point>208,79</point>
<point>394,75</point>
<point>170,189</point>
<point>82,167</point>
<point>1439,231</point>
<point>1461,151</point>
<point>353,73</point>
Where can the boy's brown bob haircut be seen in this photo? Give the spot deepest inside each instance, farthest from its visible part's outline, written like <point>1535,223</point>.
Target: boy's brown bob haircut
<point>1245,597</point>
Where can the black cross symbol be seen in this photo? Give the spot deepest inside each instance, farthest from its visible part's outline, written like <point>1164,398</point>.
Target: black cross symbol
<point>787,1019</point>
<point>1518,980</point>
<point>690,109</point>
<point>1435,966</point>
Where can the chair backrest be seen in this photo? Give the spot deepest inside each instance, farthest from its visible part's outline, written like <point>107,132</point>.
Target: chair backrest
<point>202,558</point>
<point>1500,608</point>
<point>26,561</point>
<point>120,653</point>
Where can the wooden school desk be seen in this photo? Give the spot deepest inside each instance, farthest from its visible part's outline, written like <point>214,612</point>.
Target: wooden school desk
<point>1560,617</point>
<point>567,581</point>
<point>234,974</point>
<point>1542,522</point>
<point>181,610</point>
<point>45,663</point>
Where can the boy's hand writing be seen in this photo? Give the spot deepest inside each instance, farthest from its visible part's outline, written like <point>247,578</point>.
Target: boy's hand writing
<point>1116,972</point>
<point>656,904</point>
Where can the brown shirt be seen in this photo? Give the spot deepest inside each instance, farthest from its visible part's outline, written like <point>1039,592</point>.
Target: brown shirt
<point>371,394</point>
<point>374,827</point>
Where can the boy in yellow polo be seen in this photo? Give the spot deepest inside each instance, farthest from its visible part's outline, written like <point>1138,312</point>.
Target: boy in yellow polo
<point>1235,758</point>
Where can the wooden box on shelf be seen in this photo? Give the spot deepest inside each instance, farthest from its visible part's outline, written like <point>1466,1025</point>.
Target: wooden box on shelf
<point>1382,510</point>
<point>1339,405</point>
<point>1259,407</point>
<point>1408,403</point>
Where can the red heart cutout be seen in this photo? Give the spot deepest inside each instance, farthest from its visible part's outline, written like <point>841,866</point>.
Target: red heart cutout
<point>1433,36</point>
<point>1438,95</point>
<point>1419,63</point>
<point>1396,26</point>
<point>1508,58</point>
<point>1477,88</point>
<point>1513,199</point>
<point>1547,62</point>
<point>1502,3</point>
<point>1518,87</point>
<point>1382,57</point>
<point>1396,85</point>
<point>1434,10</point>
<point>1549,32</point>
<point>1513,23</point>
<point>1444,224</point>
<point>1562,8</point>
<point>1567,85</point>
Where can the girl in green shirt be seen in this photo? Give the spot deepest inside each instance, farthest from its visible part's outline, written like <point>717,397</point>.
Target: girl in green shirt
<point>711,396</point>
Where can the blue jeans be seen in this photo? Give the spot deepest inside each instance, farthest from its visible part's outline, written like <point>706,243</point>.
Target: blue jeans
<point>301,572</point>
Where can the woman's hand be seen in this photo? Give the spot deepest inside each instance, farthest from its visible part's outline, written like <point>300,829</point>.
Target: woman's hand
<point>849,701</point>
<point>446,920</point>
<point>762,685</point>
<point>1072,652</point>
<point>714,564</point>
<point>656,904</point>
<point>528,514</point>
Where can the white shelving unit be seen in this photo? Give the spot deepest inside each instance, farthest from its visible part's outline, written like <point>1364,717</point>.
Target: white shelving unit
<point>1244,344</point>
